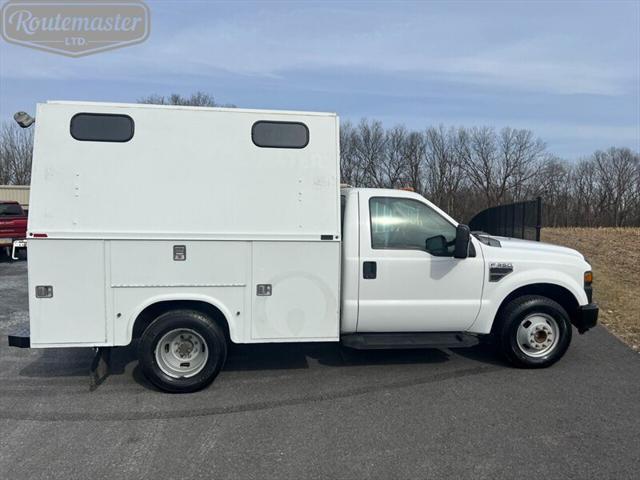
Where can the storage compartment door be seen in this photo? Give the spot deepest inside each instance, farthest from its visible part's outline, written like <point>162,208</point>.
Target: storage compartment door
<point>76,312</point>
<point>296,291</point>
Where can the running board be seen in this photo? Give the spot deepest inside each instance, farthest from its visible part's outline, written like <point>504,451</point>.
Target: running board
<point>380,341</point>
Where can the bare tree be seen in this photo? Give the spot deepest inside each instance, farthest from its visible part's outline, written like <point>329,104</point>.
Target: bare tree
<point>394,160</point>
<point>444,177</point>
<point>585,194</point>
<point>477,150</point>
<point>552,182</point>
<point>351,169</point>
<point>16,152</point>
<point>414,152</point>
<point>520,156</point>
<point>615,169</point>
<point>634,218</point>
<point>197,99</point>
<point>369,145</point>
<point>499,166</point>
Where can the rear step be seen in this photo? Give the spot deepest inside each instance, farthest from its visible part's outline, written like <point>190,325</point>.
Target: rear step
<point>20,338</point>
<point>379,341</point>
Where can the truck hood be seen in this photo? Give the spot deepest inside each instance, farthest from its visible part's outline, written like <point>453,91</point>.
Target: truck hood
<point>537,247</point>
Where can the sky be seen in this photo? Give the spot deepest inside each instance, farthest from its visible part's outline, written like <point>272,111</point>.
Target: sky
<point>568,71</point>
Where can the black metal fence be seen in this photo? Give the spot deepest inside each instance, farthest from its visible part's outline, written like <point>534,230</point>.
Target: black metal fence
<point>516,220</point>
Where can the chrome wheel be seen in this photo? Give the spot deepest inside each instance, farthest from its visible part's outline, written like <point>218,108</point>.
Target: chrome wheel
<point>181,353</point>
<point>538,334</point>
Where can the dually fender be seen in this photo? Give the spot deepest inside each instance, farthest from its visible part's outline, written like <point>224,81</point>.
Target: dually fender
<point>495,293</point>
<point>234,328</point>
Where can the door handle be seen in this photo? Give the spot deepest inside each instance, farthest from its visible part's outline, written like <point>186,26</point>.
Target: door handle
<point>369,270</point>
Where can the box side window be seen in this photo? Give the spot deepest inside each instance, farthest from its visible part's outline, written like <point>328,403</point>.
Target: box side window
<point>100,127</point>
<point>267,134</point>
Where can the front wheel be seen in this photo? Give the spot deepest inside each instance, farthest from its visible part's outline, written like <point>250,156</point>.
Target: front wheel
<point>182,351</point>
<point>535,331</point>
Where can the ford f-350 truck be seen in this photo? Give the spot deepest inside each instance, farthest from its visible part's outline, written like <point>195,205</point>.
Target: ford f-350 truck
<point>263,247</point>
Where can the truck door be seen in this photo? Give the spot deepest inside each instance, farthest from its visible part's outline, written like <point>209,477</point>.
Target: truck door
<point>409,280</point>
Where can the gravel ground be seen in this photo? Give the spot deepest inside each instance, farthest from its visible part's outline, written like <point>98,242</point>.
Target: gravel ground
<point>317,411</point>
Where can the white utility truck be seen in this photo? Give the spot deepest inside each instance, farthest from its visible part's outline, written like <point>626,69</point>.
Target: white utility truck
<point>187,228</point>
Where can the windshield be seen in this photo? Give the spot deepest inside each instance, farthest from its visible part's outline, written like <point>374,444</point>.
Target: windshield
<point>10,209</point>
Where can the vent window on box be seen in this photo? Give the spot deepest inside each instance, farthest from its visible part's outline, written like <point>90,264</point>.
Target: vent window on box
<point>101,127</point>
<point>280,134</point>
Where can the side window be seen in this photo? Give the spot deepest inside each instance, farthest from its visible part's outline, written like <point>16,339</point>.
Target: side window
<point>406,224</point>
<point>280,134</point>
<point>11,209</point>
<point>101,127</point>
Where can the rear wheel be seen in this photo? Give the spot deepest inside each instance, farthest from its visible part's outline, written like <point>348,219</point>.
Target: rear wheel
<point>535,331</point>
<point>182,351</point>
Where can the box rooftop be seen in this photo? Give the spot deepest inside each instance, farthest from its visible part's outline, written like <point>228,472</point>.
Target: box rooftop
<point>188,107</point>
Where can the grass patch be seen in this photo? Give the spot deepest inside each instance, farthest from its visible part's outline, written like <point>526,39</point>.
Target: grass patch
<point>614,254</point>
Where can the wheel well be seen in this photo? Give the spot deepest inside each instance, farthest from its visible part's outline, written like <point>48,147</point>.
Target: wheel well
<point>555,292</point>
<point>150,313</point>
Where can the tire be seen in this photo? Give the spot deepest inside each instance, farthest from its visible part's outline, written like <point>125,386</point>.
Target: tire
<point>182,351</point>
<point>534,332</point>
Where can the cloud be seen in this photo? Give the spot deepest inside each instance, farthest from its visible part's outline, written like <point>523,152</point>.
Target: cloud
<point>456,45</point>
<point>567,70</point>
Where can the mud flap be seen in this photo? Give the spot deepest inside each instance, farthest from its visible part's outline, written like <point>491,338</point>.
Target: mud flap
<point>21,337</point>
<point>100,367</point>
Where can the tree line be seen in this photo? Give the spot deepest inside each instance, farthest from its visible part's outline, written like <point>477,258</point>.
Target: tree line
<point>16,149</point>
<point>466,169</point>
<point>461,169</point>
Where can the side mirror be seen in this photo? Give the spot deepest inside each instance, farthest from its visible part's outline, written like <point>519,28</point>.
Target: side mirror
<point>462,242</point>
<point>436,245</point>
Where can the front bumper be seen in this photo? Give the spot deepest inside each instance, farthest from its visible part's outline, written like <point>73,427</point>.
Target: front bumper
<point>587,317</point>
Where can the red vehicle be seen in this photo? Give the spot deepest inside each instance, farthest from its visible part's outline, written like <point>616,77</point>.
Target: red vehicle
<point>13,227</point>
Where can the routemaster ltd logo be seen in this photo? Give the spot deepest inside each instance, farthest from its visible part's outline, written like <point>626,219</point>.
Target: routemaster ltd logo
<point>73,27</point>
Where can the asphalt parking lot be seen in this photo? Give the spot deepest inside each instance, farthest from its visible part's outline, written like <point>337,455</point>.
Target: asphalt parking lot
<point>319,411</point>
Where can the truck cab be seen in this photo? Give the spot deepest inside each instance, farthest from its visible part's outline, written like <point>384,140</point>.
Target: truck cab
<point>399,272</point>
<point>404,284</point>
